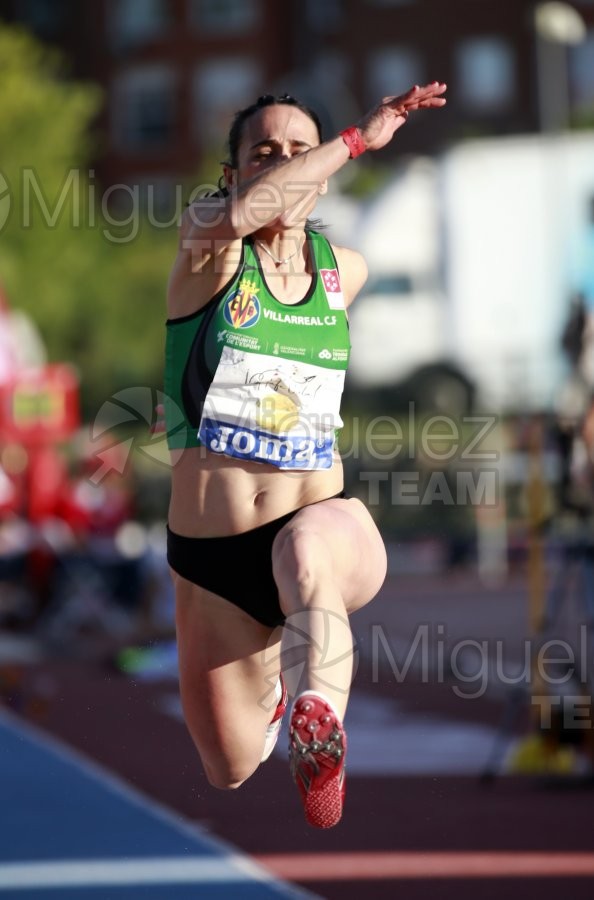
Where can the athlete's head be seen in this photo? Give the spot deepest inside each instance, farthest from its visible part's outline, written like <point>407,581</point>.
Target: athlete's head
<point>258,110</point>
<point>270,131</point>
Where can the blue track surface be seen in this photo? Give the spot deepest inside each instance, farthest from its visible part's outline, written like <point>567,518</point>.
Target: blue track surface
<point>70,831</point>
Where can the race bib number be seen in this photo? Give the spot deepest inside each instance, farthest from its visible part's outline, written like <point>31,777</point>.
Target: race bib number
<point>272,410</point>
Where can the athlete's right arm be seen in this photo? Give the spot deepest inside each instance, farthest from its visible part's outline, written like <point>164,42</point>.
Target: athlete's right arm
<point>278,189</point>
<point>204,262</point>
<point>212,228</point>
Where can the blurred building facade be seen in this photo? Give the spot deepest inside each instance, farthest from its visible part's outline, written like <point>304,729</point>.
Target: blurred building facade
<point>173,71</point>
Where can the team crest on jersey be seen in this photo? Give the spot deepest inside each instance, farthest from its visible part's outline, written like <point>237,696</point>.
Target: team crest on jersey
<point>332,288</point>
<point>242,309</point>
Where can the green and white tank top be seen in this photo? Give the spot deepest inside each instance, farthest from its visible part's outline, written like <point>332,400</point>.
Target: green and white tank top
<point>255,379</point>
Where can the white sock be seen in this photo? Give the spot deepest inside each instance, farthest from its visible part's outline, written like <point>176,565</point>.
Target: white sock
<point>279,690</point>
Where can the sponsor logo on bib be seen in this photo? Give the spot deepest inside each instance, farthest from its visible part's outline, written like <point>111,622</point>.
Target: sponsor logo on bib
<point>285,451</point>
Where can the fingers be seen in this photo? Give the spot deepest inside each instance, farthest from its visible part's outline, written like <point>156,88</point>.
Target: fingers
<point>433,103</point>
<point>418,97</point>
<point>428,90</point>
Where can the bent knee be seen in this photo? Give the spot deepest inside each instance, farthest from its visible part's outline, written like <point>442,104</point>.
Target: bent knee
<point>226,778</point>
<point>223,784</point>
<point>298,559</point>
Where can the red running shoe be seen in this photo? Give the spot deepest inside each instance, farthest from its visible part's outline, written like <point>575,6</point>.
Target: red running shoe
<point>273,730</point>
<point>317,750</point>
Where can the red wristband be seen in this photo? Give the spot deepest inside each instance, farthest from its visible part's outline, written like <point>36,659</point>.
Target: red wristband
<point>354,141</point>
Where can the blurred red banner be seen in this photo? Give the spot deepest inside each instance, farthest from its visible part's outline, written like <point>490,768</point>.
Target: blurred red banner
<point>40,405</point>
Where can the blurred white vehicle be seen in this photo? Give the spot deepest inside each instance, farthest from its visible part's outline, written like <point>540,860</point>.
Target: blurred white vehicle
<point>473,260</point>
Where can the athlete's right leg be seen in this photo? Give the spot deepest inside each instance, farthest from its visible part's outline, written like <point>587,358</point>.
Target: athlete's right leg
<point>227,692</point>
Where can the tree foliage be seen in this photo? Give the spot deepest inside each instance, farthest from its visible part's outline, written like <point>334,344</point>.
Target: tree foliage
<point>97,302</point>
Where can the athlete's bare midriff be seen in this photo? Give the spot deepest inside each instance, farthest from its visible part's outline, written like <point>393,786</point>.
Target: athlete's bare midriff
<point>214,495</point>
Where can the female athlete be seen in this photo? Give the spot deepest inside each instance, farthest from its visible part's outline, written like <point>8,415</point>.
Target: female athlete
<point>268,555</point>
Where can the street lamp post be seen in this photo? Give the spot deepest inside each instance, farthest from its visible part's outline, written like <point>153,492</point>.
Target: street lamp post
<point>558,26</point>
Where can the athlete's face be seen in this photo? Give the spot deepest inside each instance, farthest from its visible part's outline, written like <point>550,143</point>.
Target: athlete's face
<point>272,135</point>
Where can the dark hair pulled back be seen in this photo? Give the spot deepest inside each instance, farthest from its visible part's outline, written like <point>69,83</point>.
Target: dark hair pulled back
<point>241,117</point>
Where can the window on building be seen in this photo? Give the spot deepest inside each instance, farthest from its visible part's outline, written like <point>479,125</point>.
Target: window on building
<point>392,70</point>
<point>144,108</point>
<point>485,74</point>
<point>133,22</point>
<point>391,2</point>
<point>581,67</point>
<point>160,197</point>
<point>332,68</point>
<point>221,87</point>
<point>44,17</point>
<point>324,15</point>
<point>224,16</point>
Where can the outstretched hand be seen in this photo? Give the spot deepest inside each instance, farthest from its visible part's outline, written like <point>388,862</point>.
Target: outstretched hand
<point>379,126</point>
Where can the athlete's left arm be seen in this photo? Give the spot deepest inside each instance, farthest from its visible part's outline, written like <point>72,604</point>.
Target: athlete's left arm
<point>352,269</point>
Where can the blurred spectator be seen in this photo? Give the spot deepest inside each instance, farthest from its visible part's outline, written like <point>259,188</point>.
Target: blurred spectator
<point>575,482</point>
